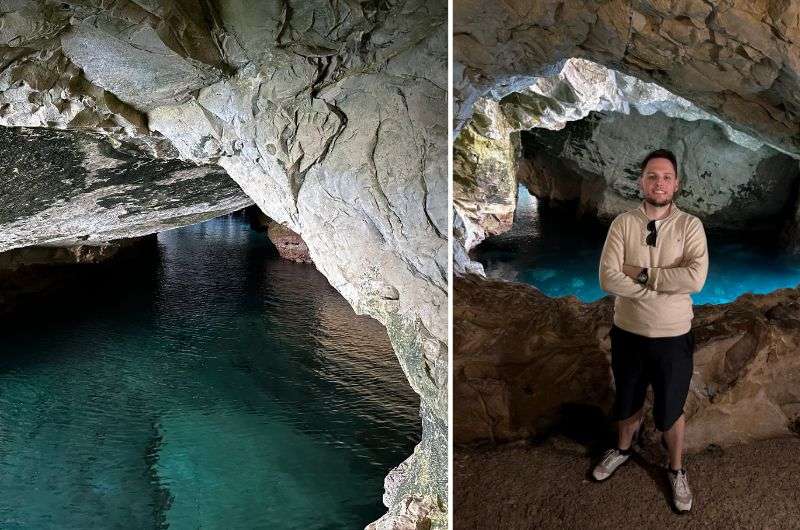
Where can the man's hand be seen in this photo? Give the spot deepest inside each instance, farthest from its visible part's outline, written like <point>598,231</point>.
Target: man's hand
<point>632,271</point>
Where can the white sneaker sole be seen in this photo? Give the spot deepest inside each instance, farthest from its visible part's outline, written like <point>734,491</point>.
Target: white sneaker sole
<point>600,477</point>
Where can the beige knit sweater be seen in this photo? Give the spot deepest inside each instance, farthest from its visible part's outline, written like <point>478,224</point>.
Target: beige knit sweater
<point>677,266</point>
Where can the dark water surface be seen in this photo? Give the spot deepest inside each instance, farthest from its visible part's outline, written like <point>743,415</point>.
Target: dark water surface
<point>212,386</point>
<point>560,257</point>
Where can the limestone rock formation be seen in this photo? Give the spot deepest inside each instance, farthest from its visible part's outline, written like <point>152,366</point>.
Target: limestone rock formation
<point>518,355</point>
<point>736,59</point>
<point>68,187</point>
<point>412,515</point>
<point>596,160</point>
<point>289,244</point>
<point>790,237</point>
<point>484,188</point>
<point>579,87</point>
<point>330,116</point>
<point>521,359</point>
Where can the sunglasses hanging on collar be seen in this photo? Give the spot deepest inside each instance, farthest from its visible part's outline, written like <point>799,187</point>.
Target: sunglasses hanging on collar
<point>652,234</point>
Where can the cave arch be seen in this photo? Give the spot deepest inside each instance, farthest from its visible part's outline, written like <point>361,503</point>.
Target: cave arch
<point>733,59</point>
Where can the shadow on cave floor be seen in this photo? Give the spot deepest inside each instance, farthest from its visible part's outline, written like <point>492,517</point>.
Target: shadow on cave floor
<point>546,483</point>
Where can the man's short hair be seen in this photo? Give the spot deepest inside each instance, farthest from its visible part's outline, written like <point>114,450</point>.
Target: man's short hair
<point>661,153</point>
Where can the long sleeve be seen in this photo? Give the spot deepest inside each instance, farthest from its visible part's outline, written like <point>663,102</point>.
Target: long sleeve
<point>612,279</point>
<point>691,275</point>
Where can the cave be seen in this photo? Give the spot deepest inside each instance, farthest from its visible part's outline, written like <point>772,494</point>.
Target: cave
<point>556,105</point>
<point>572,181</point>
<point>133,128</point>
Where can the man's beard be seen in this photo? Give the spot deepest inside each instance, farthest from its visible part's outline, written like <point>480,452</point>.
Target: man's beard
<point>653,202</point>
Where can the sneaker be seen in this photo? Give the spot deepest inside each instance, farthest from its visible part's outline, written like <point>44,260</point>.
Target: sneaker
<point>612,459</point>
<point>681,494</point>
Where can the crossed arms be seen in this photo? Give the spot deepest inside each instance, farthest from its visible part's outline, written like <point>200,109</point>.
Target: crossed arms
<point>618,278</point>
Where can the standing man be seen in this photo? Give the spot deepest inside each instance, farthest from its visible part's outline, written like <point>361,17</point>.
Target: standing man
<point>653,258</point>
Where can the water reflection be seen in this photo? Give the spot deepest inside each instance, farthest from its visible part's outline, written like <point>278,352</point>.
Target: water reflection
<point>209,386</point>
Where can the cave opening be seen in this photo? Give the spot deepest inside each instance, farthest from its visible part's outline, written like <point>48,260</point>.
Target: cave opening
<point>571,174</point>
<point>331,117</point>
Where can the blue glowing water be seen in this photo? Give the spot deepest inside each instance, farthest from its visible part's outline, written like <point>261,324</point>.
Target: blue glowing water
<point>561,258</point>
<point>209,387</point>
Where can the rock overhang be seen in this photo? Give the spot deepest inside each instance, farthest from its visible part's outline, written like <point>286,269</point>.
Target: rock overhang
<point>734,59</point>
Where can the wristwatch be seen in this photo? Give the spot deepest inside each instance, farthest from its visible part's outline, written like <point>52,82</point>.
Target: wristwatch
<point>643,277</point>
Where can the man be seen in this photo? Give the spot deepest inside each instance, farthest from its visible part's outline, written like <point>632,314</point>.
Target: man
<point>653,258</point>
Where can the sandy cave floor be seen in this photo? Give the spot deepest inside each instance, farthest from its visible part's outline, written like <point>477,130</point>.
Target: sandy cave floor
<point>548,485</point>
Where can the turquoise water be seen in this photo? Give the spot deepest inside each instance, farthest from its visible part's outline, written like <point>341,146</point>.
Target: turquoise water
<point>554,253</point>
<point>210,386</point>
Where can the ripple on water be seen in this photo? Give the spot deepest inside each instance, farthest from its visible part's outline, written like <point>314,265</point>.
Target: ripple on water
<point>215,387</point>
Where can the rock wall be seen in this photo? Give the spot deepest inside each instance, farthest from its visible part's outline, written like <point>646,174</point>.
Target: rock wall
<point>736,59</point>
<point>597,160</point>
<point>484,187</point>
<point>331,117</point>
<point>522,359</point>
<point>289,244</point>
<point>65,187</point>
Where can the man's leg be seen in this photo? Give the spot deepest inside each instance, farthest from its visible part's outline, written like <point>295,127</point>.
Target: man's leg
<point>631,387</point>
<point>627,365</point>
<point>627,428</point>
<point>674,439</point>
<point>673,361</point>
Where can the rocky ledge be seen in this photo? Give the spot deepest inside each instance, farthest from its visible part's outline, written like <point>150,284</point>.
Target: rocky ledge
<point>522,361</point>
<point>289,243</point>
<point>30,275</point>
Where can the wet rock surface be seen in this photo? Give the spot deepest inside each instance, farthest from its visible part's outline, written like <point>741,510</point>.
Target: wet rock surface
<point>66,187</point>
<point>523,363</point>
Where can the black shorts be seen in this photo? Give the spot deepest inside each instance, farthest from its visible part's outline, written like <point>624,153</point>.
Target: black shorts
<point>664,362</point>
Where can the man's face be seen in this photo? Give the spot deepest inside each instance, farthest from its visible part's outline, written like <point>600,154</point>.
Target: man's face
<point>658,182</point>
